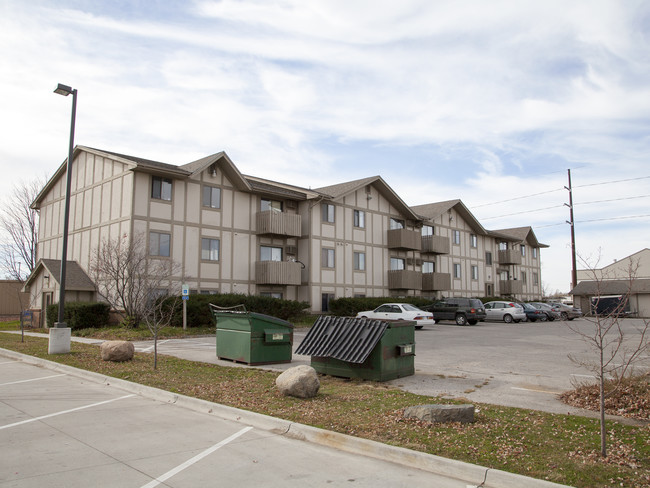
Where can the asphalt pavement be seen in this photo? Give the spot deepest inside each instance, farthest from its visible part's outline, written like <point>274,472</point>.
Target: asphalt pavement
<point>64,427</point>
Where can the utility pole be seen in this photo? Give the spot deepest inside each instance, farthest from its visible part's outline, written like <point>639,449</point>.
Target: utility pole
<point>571,222</point>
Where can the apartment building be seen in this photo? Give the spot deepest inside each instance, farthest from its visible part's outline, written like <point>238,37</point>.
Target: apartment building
<point>232,233</point>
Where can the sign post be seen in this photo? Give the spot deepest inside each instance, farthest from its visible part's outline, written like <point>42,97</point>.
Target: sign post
<point>185,292</point>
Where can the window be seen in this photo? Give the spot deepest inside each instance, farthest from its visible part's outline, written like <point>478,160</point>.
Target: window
<point>534,253</point>
<point>428,267</point>
<point>488,258</point>
<point>327,258</point>
<point>473,240</point>
<point>474,272</point>
<point>211,197</point>
<point>159,244</point>
<point>456,236</point>
<point>427,230</point>
<point>269,253</point>
<point>208,292</point>
<point>210,249</point>
<point>456,270</point>
<point>359,218</point>
<point>267,204</point>
<point>327,210</point>
<point>523,250</point>
<point>523,277</point>
<point>535,279</point>
<point>396,264</point>
<point>161,188</point>
<point>503,246</point>
<point>359,261</point>
<point>504,276</point>
<point>396,224</point>
<point>271,294</point>
<point>325,301</point>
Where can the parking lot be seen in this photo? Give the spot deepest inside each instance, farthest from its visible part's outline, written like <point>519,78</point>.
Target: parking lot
<point>521,365</point>
<point>60,430</point>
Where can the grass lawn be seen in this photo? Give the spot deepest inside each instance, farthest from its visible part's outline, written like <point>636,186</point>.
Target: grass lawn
<point>559,448</point>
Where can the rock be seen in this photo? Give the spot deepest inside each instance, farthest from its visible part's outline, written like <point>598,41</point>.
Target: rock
<point>299,381</point>
<point>441,413</point>
<point>117,350</point>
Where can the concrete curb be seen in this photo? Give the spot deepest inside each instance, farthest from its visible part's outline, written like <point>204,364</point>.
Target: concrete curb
<point>481,476</point>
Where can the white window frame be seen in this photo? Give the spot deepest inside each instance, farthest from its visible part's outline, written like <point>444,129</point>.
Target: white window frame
<point>211,198</point>
<point>156,238</point>
<point>457,271</point>
<point>271,253</point>
<point>359,219</point>
<point>455,235</point>
<point>474,272</point>
<point>397,264</point>
<point>359,259</point>
<point>164,190</point>
<point>327,257</point>
<point>328,213</point>
<point>213,250</point>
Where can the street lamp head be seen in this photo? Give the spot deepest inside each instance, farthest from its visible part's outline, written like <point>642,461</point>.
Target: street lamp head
<point>64,90</point>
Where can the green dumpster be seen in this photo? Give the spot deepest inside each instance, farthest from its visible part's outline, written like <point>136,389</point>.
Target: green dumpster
<point>360,348</point>
<point>252,338</point>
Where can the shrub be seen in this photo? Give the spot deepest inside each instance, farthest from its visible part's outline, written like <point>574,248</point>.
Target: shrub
<point>80,315</point>
<point>349,307</point>
<point>199,314</point>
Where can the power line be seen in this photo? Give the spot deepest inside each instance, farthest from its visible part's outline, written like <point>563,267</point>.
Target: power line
<point>627,217</point>
<point>610,182</point>
<point>524,212</point>
<point>612,200</point>
<point>560,189</point>
<point>519,198</point>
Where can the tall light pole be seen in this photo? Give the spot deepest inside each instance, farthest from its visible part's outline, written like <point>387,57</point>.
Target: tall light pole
<point>63,340</point>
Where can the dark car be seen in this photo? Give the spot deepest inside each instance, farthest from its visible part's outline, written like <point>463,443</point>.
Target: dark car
<point>567,312</point>
<point>461,310</point>
<point>551,313</point>
<point>534,314</point>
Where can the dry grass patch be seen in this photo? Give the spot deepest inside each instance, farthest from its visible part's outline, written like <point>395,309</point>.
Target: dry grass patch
<point>559,448</point>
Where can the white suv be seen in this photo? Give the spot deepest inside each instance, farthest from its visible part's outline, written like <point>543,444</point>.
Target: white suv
<point>506,311</point>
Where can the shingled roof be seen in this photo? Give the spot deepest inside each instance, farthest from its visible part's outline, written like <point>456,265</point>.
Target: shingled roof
<point>76,278</point>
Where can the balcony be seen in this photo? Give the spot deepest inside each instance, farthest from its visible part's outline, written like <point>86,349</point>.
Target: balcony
<point>277,273</point>
<point>510,287</point>
<point>436,281</point>
<point>509,256</point>
<point>404,239</point>
<point>435,244</point>
<point>402,279</point>
<point>278,223</point>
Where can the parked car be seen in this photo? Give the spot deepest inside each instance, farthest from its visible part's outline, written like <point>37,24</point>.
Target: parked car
<point>461,310</point>
<point>567,312</point>
<point>551,313</point>
<point>506,311</point>
<point>534,314</point>
<point>399,311</point>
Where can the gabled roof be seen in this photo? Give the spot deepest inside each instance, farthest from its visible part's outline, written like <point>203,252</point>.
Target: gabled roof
<point>519,234</point>
<point>135,163</point>
<point>76,278</point>
<point>223,162</point>
<point>336,192</point>
<point>435,210</point>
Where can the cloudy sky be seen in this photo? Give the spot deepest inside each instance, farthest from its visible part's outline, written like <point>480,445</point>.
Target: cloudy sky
<point>487,101</point>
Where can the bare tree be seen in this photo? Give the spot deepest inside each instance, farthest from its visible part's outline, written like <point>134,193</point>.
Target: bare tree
<point>134,283</point>
<point>615,349</point>
<point>20,225</point>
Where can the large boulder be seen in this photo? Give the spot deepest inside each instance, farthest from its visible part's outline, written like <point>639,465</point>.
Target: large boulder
<point>299,381</point>
<point>117,350</point>
<point>441,413</point>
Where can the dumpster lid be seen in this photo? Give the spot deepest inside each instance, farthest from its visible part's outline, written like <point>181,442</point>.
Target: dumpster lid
<point>240,310</point>
<point>348,339</point>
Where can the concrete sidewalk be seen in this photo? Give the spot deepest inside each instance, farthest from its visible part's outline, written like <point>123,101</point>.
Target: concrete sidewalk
<point>445,473</point>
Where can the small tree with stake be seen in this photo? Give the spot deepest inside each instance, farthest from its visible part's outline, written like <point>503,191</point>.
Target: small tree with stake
<point>616,351</point>
<point>135,283</point>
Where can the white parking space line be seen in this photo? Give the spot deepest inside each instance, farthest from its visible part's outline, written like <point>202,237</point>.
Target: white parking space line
<point>33,379</point>
<point>150,348</point>
<point>195,459</point>
<point>2,427</point>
